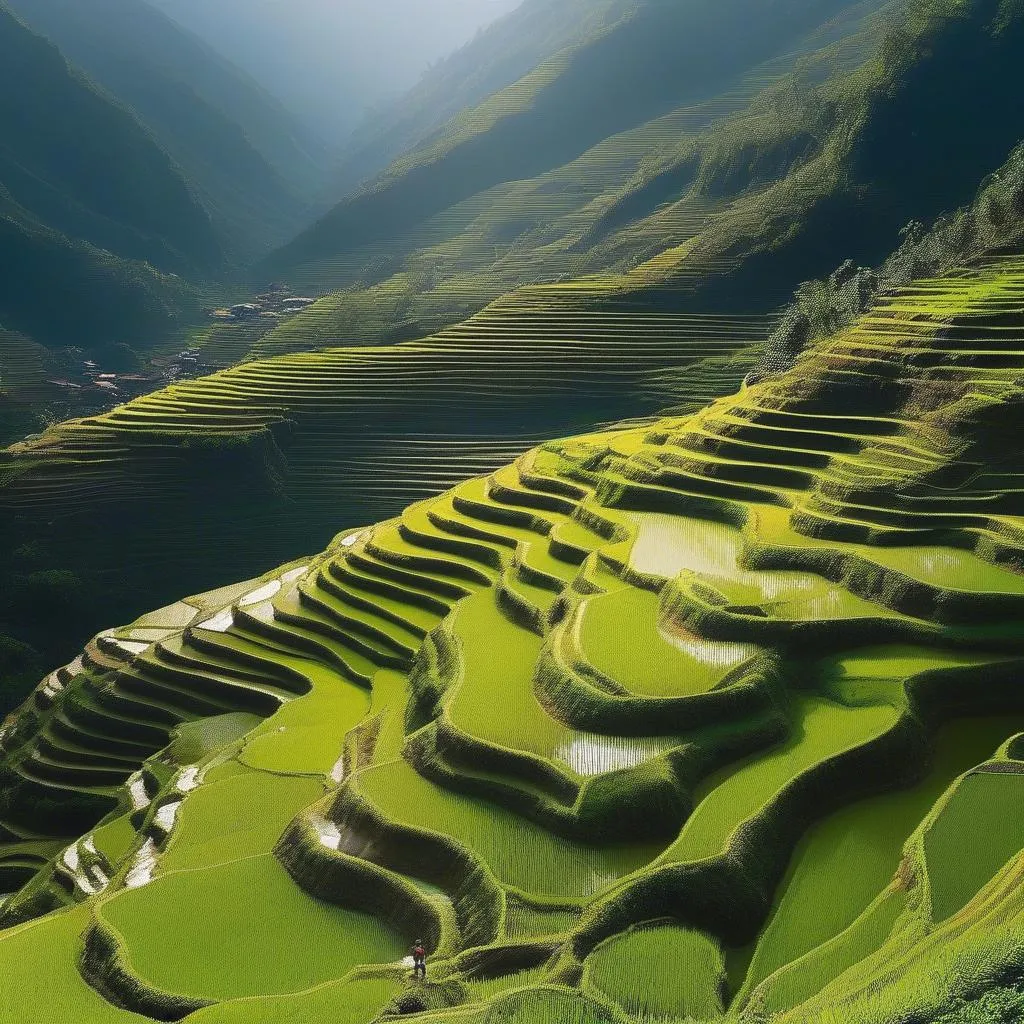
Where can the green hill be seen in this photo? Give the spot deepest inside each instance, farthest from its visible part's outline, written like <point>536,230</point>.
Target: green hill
<point>280,448</point>
<point>497,57</point>
<point>95,174</point>
<point>656,58</point>
<point>666,666</point>
<point>684,720</point>
<point>725,190</point>
<point>97,226</point>
<point>254,164</point>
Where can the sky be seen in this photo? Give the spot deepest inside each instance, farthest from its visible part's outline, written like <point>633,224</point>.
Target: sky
<point>331,60</point>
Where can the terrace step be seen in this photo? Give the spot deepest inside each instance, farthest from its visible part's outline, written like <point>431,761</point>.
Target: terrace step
<point>87,712</point>
<point>435,572</point>
<point>211,686</point>
<point>53,745</point>
<point>178,652</point>
<point>419,531</point>
<point>300,610</point>
<point>386,636</point>
<point>298,636</point>
<point>171,695</point>
<point>363,576</point>
<point>88,738</point>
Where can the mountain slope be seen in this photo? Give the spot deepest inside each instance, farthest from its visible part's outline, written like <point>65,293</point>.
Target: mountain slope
<point>989,224</point>
<point>93,174</point>
<point>88,208</point>
<point>750,746</point>
<point>724,205</point>
<point>62,290</point>
<point>305,433</point>
<point>656,58</point>
<point>282,447</point>
<point>255,164</point>
<point>499,55</point>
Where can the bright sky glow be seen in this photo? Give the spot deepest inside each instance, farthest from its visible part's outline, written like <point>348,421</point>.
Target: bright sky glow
<point>329,60</point>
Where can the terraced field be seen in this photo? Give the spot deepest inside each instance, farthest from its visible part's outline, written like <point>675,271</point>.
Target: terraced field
<point>284,449</point>
<point>23,385</point>
<point>633,202</point>
<point>710,718</point>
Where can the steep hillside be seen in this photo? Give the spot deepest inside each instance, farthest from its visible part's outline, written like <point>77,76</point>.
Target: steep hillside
<point>282,447</point>
<point>499,55</point>
<point>991,223</point>
<point>206,479</point>
<point>657,57</point>
<point>255,165</point>
<point>715,718</point>
<point>58,290</point>
<point>792,159</point>
<point>659,674</point>
<point>97,227</point>
<point>94,174</point>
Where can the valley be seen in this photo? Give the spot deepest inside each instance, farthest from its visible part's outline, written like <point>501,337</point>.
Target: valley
<point>574,527</point>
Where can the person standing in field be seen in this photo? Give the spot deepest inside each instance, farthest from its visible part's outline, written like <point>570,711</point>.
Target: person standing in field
<point>419,960</point>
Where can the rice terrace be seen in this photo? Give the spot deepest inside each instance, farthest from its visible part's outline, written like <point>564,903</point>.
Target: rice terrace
<point>548,552</point>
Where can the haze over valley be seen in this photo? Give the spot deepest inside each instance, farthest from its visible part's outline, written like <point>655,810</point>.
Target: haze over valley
<point>333,63</point>
<point>511,512</point>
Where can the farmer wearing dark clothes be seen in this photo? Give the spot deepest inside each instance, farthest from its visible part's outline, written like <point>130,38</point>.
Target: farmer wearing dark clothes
<point>419,960</point>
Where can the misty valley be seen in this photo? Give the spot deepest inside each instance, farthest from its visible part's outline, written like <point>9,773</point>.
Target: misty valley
<point>511,512</point>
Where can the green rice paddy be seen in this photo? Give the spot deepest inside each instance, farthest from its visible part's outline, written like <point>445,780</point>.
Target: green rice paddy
<point>659,972</point>
<point>517,853</point>
<point>985,803</point>
<point>822,730</point>
<point>843,863</point>
<point>250,915</point>
<point>699,719</point>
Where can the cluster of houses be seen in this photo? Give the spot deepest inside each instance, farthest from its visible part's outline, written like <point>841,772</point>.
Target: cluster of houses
<point>88,387</point>
<point>120,385</point>
<point>276,303</point>
<point>92,387</point>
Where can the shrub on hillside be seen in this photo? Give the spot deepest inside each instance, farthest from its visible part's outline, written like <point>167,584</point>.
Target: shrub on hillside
<point>994,220</point>
<point>998,1006</point>
<point>48,593</point>
<point>20,669</point>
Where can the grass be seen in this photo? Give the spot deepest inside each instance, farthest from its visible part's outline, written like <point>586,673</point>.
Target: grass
<point>663,663</point>
<point>801,980</point>
<point>34,996</point>
<point>391,719</point>
<point>822,729</point>
<point>347,1002</point>
<point>982,804</point>
<point>518,721</point>
<point>518,853</point>
<point>195,741</point>
<point>250,912</point>
<point>659,971</point>
<point>303,737</point>
<point>844,862</point>
<point>239,816</point>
